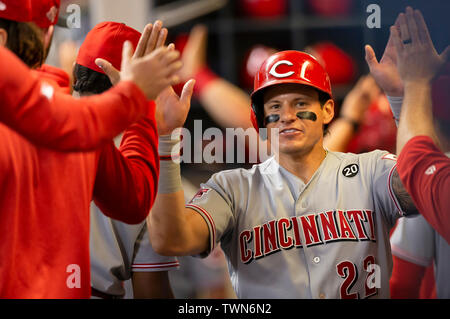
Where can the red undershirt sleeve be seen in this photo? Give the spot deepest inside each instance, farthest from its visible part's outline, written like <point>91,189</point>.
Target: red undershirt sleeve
<point>425,172</point>
<point>406,279</point>
<point>127,178</point>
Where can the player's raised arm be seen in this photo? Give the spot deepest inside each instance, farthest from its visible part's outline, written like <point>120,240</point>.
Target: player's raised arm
<point>422,165</point>
<point>418,64</point>
<point>59,121</point>
<point>174,229</point>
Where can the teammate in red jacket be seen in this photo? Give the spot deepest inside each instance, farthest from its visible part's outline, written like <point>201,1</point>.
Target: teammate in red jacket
<point>45,195</point>
<point>423,167</point>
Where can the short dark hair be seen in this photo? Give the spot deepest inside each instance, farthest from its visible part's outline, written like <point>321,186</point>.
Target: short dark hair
<point>89,81</point>
<point>24,39</point>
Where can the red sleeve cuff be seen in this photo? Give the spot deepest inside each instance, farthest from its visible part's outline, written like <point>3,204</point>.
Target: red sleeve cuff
<point>202,79</point>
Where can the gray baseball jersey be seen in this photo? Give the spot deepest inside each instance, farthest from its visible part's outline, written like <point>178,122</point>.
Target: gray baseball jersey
<point>328,238</point>
<point>414,240</point>
<point>118,249</point>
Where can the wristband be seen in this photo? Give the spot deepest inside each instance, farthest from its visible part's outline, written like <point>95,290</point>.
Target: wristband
<point>395,102</point>
<point>202,78</point>
<point>169,164</point>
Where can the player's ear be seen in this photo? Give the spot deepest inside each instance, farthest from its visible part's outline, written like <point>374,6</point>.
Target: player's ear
<point>328,111</point>
<point>3,37</point>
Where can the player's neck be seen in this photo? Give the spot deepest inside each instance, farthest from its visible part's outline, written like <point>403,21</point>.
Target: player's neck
<point>303,165</point>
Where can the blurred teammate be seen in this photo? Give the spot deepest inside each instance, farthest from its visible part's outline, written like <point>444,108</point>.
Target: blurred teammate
<point>118,251</point>
<point>46,194</point>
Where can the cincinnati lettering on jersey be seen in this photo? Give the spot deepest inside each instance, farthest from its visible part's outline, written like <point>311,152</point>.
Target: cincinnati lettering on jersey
<point>315,229</point>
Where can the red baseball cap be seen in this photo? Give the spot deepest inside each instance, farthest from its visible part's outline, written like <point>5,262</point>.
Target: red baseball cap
<point>106,41</point>
<point>45,12</point>
<point>16,10</point>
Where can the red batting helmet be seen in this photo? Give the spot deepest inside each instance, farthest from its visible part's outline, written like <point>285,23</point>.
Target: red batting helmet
<point>287,67</point>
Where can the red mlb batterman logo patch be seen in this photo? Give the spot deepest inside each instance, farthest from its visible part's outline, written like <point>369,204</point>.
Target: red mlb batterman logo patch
<point>430,170</point>
<point>200,193</point>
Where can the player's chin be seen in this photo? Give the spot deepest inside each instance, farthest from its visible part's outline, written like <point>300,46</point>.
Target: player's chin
<point>291,147</point>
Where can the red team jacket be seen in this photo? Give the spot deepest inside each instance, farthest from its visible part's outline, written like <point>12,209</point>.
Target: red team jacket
<point>62,122</point>
<point>425,172</point>
<point>45,195</point>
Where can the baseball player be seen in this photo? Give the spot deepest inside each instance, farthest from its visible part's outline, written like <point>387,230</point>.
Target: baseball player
<point>118,251</point>
<point>306,223</point>
<point>36,109</point>
<point>420,90</point>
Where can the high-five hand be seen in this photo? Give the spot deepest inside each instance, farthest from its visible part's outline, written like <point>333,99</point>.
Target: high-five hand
<point>385,72</point>
<point>418,60</point>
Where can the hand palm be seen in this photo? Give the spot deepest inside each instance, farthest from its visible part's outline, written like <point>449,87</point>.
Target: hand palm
<point>172,110</point>
<point>386,73</point>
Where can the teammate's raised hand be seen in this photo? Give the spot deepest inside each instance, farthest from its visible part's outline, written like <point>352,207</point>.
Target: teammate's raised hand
<point>359,99</point>
<point>385,72</point>
<point>194,53</point>
<point>418,60</point>
<point>152,73</point>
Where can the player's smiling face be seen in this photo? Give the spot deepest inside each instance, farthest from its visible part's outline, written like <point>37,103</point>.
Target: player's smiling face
<point>296,111</point>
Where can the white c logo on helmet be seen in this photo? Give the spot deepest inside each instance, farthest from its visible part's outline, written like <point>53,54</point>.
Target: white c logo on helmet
<point>273,70</point>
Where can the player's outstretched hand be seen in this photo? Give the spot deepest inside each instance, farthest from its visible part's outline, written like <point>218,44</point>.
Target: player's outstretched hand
<point>194,53</point>
<point>418,60</point>
<point>172,110</point>
<point>154,36</point>
<point>385,72</point>
<point>152,73</point>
